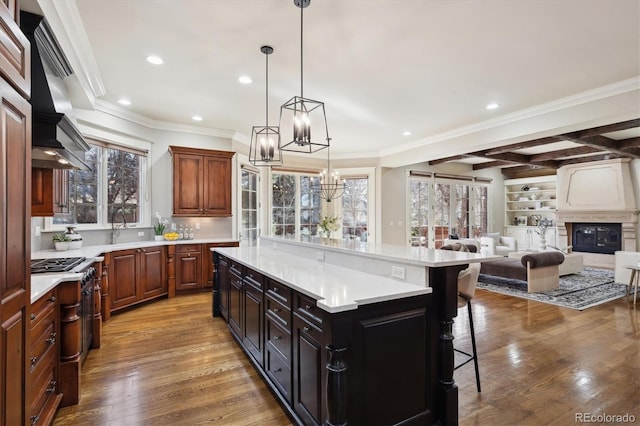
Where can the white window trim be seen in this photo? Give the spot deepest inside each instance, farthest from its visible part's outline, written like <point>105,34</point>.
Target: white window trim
<point>243,162</point>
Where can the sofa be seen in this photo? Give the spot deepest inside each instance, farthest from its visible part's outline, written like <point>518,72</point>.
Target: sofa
<point>466,241</point>
<point>539,269</point>
<point>495,244</point>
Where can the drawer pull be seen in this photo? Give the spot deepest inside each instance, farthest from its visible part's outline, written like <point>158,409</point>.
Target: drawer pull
<point>277,370</point>
<point>34,359</point>
<point>276,309</point>
<point>52,386</point>
<point>52,338</point>
<point>33,316</point>
<point>34,419</point>
<point>275,289</point>
<point>277,337</point>
<point>52,299</point>
<point>307,307</point>
<point>305,328</point>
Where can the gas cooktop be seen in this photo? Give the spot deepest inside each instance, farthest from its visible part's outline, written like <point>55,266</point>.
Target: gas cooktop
<point>40,266</point>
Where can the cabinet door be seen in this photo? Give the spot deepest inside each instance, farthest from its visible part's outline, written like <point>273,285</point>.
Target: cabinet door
<point>308,369</point>
<point>49,192</point>
<point>235,304</point>
<point>217,199</point>
<point>223,288</point>
<point>15,251</point>
<point>252,336</point>
<point>188,185</point>
<point>123,278</point>
<point>153,277</point>
<point>61,191</point>
<point>188,270</point>
<point>15,50</point>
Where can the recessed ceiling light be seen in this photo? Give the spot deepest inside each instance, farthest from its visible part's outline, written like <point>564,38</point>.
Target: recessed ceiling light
<point>124,101</point>
<point>244,79</point>
<point>406,133</point>
<point>155,60</point>
<point>492,105</point>
<point>196,118</point>
<point>62,161</point>
<point>51,153</point>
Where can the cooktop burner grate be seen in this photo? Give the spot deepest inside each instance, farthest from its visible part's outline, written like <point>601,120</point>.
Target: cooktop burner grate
<point>39,266</point>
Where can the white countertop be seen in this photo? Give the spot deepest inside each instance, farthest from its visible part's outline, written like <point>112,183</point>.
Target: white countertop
<point>42,283</point>
<point>420,256</point>
<point>337,289</point>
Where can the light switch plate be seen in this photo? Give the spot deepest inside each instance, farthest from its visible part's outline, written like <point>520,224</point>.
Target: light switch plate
<point>320,255</point>
<point>140,233</point>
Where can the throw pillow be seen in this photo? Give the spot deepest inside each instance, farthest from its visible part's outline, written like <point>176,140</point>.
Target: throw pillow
<point>495,236</point>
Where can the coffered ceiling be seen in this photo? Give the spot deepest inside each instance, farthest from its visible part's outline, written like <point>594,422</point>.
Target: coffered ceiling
<point>382,68</point>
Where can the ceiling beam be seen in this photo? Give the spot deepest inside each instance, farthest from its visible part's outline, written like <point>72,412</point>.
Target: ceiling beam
<point>624,125</point>
<point>589,159</point>
<point>599,141</point>
<point>554,155</point>
<point>520,145</point>
<point>490,164</point>
<point>525,171</point>
<point>628,143</point>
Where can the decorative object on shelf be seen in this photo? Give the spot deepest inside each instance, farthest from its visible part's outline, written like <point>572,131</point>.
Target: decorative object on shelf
<point>541,230</point>
<point>158,228</point>
<point>61,241</point>
<point>329,224</point>
<point>331,186</point>
<point>75,239</point>
<point>524,188</point>
<point>521,220</point>
<point>535,218</point>
<point>297,112</point>
<point>534,197</point>
<point>264,149</point>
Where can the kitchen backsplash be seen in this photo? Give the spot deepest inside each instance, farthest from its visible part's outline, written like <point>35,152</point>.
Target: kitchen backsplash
<point>209,228</point>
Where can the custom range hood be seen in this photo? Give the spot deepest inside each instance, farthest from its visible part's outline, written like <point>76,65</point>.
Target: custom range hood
<point>56,142</point>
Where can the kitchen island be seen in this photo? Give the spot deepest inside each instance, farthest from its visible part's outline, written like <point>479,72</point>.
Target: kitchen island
<point>340,345</point>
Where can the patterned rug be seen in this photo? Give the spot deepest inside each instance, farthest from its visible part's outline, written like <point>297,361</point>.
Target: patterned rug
<point>589,288</point>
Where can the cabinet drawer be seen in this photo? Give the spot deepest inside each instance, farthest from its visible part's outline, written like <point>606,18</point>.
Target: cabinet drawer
<point>43,338</point>
<point>253,278</point>
<point>235,267</point>
<point>279,292</point>
<point>308,329</point>
<point>279,372</point>
<point>43,307</point>
<point>188,248</point>
<point>44,387</point>
<point>279,339</point>
<point>307,309</point>
<point>278,312</point>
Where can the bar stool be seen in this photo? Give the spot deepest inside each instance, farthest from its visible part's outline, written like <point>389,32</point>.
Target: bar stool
<point>467,281</point>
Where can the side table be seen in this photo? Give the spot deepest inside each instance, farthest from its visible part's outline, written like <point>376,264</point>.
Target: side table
<point>633,281</point>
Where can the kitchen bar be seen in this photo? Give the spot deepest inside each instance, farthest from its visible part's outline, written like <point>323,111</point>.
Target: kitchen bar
<point>358,347</point>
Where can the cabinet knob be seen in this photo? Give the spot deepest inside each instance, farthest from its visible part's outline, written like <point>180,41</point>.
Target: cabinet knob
<point>52,299</point>
<point>34,419</point>
<point>276,309</point>
<point>52,386</point>
<point>34,359</point>
<point>275,289</point>
<point>52,338</point>
<point>307,307</point>
<point>306,328</point>
<point>277,337</point>
<point>33,316</point>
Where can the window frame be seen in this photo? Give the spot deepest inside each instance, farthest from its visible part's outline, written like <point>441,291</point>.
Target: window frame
<point>336,209</point>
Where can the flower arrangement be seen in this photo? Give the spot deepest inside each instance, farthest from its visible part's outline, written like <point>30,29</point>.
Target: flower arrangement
<point>543,226</point>
<point>330,224</point>
<point>159,227</point>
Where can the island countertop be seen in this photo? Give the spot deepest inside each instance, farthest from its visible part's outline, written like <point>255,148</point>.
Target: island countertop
<point>336,288</point>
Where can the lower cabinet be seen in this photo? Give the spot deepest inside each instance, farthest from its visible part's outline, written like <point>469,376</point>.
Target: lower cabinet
<point>189,274</point>
<point>136,275</point>
<point>43,391</point>
<point>371,365</point>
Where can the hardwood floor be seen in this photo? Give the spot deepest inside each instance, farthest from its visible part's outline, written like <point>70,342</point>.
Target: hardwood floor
<point>170,362</point>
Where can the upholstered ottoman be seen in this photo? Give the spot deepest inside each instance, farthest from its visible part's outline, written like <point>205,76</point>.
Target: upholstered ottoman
<point>539,269</point>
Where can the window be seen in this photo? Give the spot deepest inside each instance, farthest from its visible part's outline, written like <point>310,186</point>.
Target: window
<point>439,207</point>
<point>113,187</point>
<point>310,206</point>
<point>295,209</point>
<point>249,189</point>
<point>355,207</point>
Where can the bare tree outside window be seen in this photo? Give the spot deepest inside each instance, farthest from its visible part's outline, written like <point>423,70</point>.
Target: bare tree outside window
<point>419,211</point>
<point>83,193</point>
<point>123,174</point>
<point>310,205</point>
<point>355,207</point>
<point>283,212</point>
<point>480,211</point>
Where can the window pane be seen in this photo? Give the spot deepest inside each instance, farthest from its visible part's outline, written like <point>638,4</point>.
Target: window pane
<point>419,211</point>
<point>354,207</point>
<point>123,177</point>
<point>83,193</point>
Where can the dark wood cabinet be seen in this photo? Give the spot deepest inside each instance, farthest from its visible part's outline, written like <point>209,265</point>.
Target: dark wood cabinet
<point>253,315</point>
<point>43,389</point>
<point>15,213</point>
<point>136,275</point>
<point>201,182</point>
<point>235,300</point>
<point>49,192</point>
<point>208,257</point>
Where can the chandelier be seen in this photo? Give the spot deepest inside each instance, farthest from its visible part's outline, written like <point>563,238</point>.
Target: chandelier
<point>331,186</point>
<point>264,149</point>
<point>299,113</point>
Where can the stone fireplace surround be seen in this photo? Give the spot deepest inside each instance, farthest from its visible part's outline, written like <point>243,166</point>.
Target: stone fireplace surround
<point>600,192</point>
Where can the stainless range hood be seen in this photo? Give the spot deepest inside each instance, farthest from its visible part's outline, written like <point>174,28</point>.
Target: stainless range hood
<point>56,142</point>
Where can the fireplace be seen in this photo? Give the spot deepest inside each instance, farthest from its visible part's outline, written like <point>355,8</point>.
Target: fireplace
<point>605,238</point>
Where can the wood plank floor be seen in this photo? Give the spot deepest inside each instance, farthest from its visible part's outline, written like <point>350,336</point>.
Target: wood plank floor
<point>170,362</point>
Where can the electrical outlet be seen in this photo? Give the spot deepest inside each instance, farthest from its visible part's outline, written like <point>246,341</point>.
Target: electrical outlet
<point>320,255</point>
<point>140,233</point>
<point>398,272</point>
<point>38,231</point>
<point>197,226</point>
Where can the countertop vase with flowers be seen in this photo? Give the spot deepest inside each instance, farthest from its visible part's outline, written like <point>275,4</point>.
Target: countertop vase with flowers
<point>329,224</point>
<point>158,228</point>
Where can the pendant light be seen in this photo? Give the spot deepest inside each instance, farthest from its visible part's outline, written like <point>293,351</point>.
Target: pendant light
<point>331,185</point>
<point>299,113</point>
<point>264,149</point>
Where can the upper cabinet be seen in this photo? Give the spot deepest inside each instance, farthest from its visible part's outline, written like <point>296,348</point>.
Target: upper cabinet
<point>49,191</point>
<point>15,53</point>
<point>201,182</point>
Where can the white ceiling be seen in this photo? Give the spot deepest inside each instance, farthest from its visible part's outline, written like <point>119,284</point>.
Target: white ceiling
<point>380,66</point>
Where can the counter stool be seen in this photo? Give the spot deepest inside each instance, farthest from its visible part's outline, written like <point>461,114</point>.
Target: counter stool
<point>467,281</point>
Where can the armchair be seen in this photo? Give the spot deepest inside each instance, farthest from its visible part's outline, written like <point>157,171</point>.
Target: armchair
<point>497,245</point>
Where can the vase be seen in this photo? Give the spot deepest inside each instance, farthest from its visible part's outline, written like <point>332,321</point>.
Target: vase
<point>61,245</point>
<point>158,238</point>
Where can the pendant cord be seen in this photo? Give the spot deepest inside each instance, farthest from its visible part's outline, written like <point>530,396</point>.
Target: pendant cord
<point>301,69</point>
<point>267,92</point>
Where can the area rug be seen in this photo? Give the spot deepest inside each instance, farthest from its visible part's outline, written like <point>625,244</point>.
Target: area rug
<point>589,288</point>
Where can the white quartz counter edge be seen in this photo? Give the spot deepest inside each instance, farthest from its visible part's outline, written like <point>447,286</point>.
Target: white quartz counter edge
<point>337,289</point>
<point>42,283</point>
<point>394,253</point>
